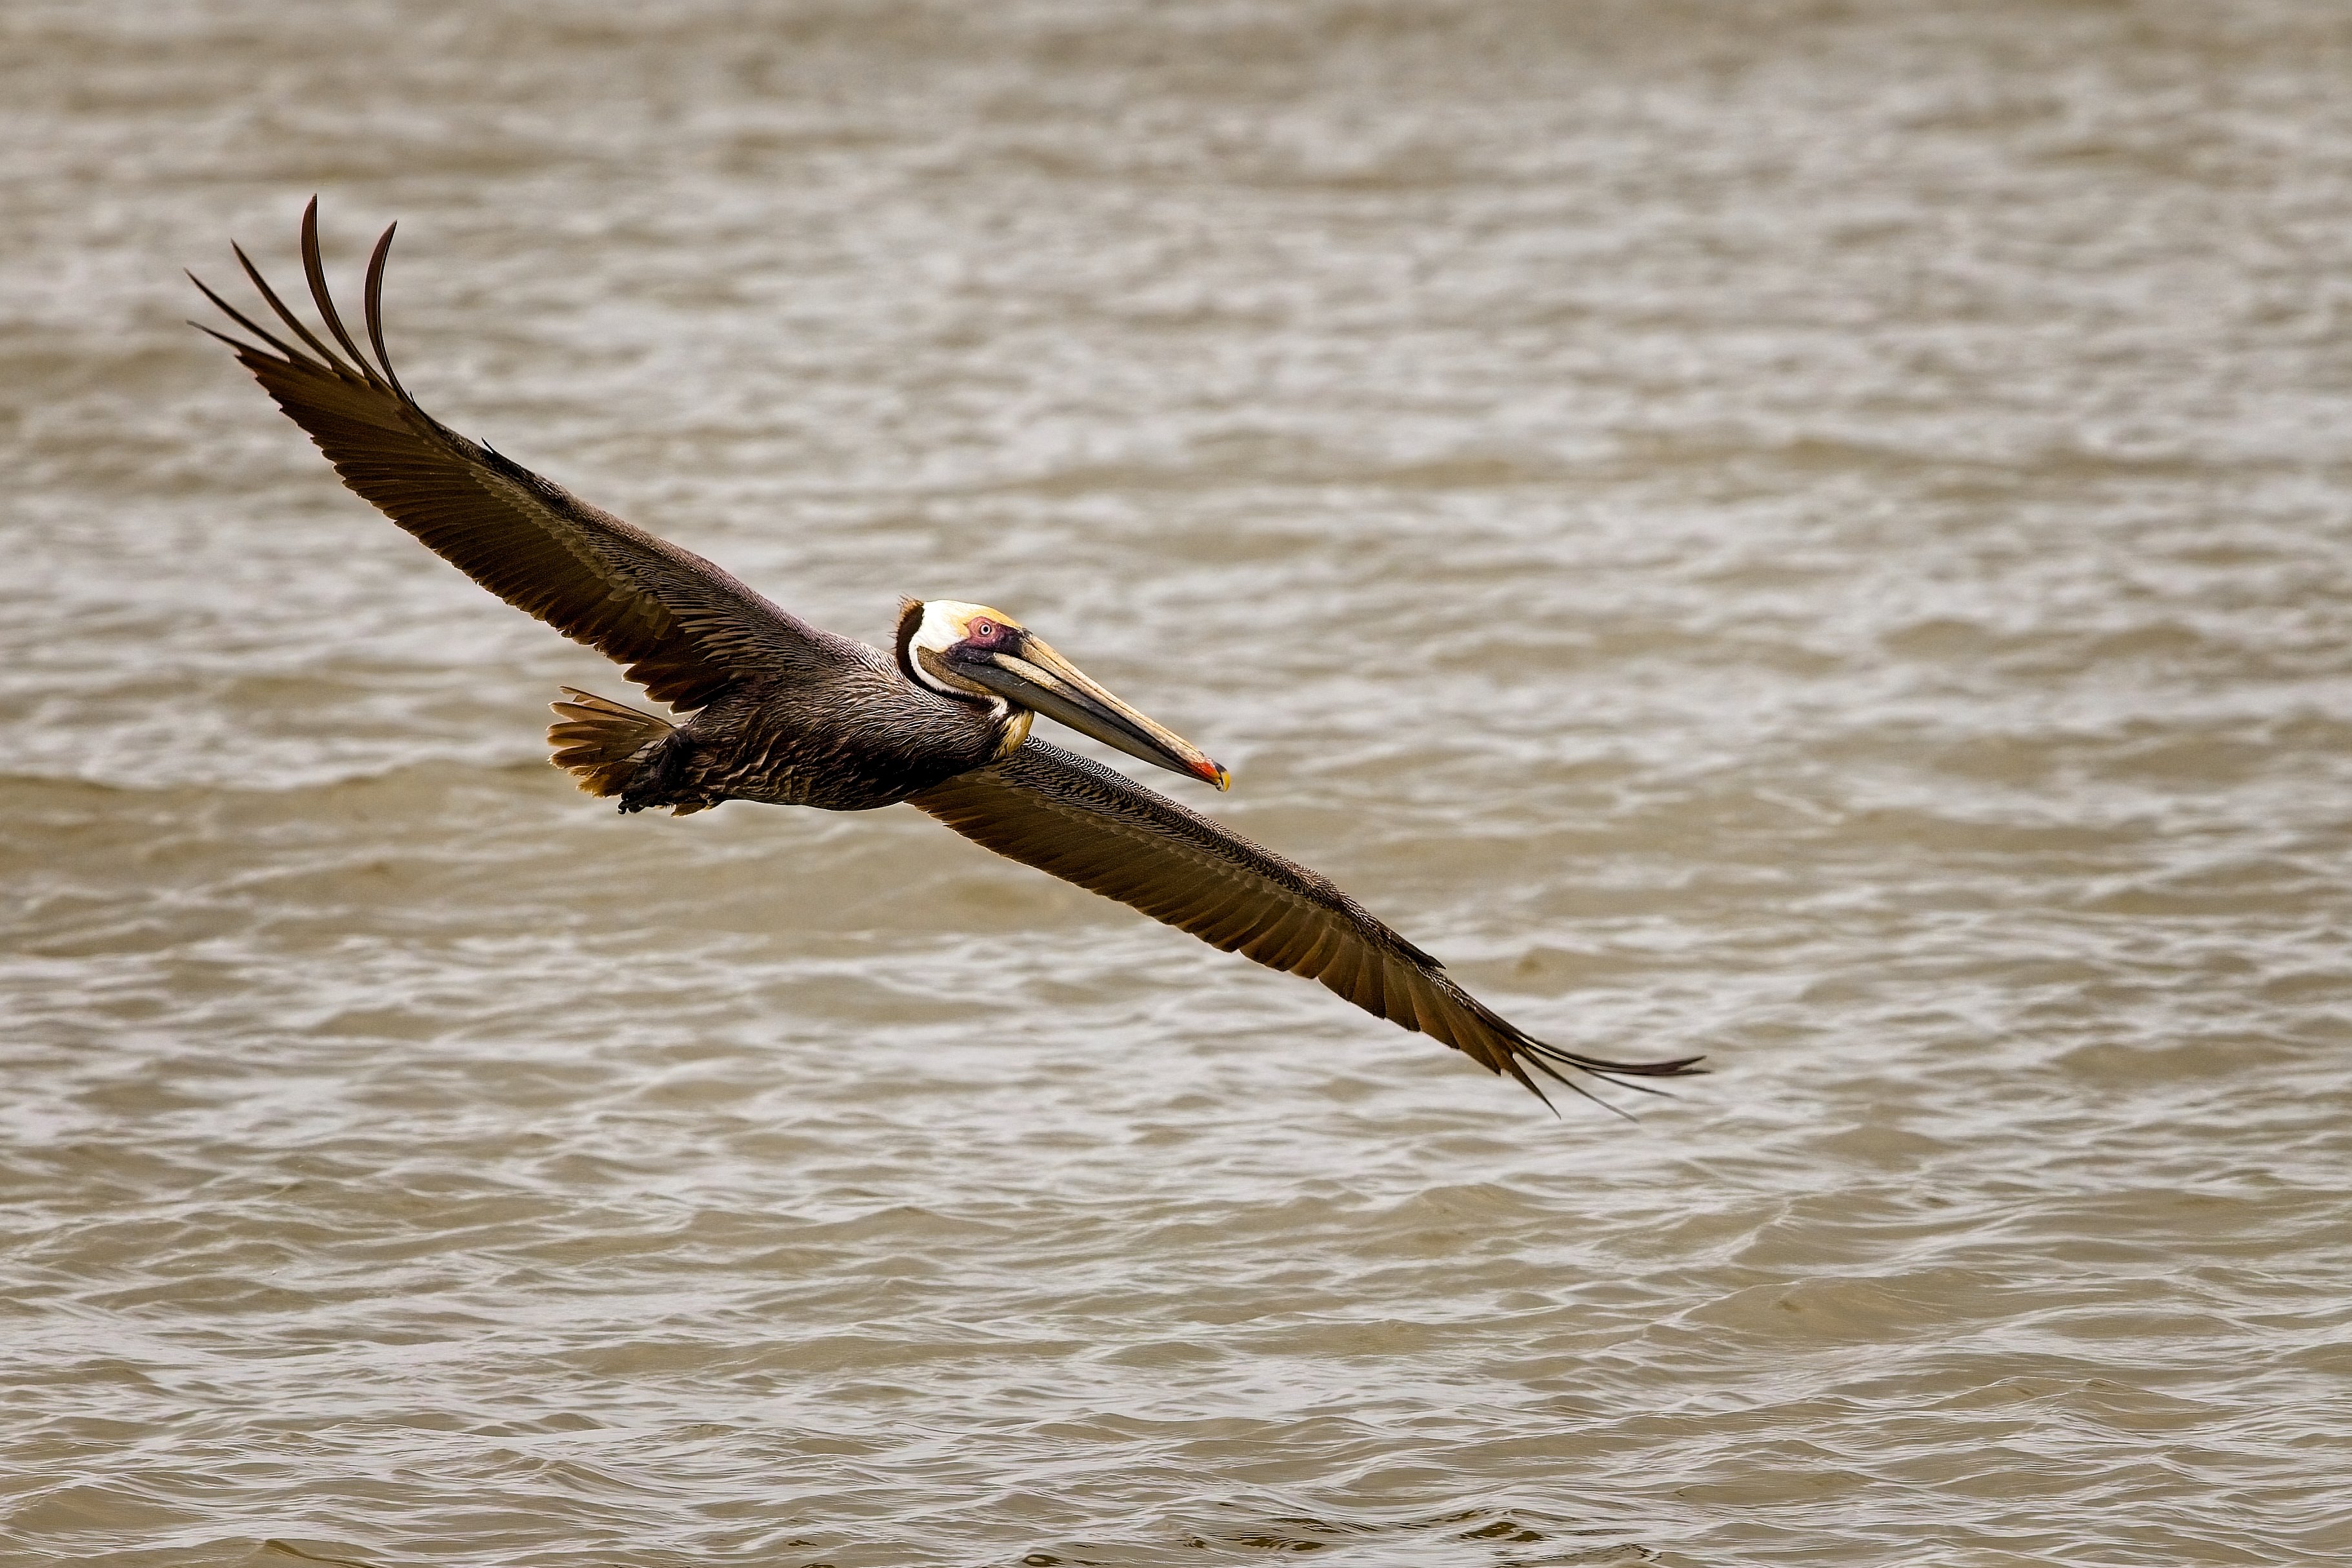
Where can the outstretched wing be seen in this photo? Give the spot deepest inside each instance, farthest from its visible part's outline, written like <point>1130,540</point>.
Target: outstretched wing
<point>1060,813</point>
<point>685,629</point>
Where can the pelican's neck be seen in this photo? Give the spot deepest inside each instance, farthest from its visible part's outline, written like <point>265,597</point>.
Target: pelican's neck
<point>1015,732</point>
<point>938,625</point>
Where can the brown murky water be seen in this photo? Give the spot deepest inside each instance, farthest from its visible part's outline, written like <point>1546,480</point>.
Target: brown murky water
<point>1818,533</point>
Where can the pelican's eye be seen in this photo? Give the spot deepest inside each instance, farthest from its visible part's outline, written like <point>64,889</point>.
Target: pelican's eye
<point>981,631</point>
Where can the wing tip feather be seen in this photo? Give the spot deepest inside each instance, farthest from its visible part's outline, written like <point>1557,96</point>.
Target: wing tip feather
<point>518,534</point>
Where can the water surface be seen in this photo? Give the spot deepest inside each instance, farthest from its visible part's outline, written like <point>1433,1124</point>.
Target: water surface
<point>1818,534</point>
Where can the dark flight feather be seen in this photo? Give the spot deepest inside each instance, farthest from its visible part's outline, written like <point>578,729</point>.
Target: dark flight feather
<point>686,630</point>
<point>1057,811</point>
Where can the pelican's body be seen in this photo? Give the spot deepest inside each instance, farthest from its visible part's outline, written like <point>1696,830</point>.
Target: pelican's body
<point>782,713</point>
<point>853,736</point>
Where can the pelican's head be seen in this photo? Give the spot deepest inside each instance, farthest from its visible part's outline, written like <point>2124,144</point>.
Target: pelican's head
<point>970,650</point>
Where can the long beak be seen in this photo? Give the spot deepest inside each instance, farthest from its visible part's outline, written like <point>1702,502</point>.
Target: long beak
<point>1038,678</point>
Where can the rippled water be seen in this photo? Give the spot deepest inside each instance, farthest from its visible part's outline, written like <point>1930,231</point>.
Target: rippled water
<point>1815,534</point>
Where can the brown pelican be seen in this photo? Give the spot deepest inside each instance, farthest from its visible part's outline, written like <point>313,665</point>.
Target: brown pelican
<point>780,712</point>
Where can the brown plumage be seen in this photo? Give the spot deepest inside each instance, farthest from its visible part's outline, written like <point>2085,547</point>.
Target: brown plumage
<point>780,712</point>
<point>1061,813</point>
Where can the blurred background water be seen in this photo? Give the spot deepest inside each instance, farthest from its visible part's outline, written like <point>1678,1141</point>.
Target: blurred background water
<point>1814,533</point>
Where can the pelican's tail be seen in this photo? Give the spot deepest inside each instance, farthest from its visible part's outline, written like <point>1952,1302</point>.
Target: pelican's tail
<point>599,742</point>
